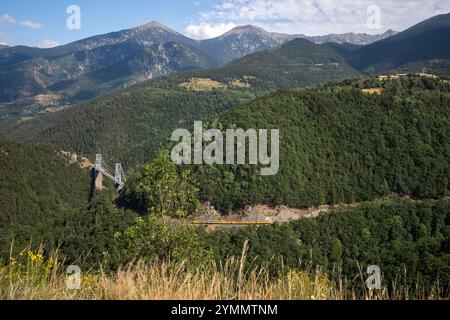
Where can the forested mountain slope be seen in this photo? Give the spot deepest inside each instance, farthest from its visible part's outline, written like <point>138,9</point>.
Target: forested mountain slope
<point>34,80</point>
<point>129,126</point>
<point>39,191</point>
<point>46,198</point>
<point>340,145</point>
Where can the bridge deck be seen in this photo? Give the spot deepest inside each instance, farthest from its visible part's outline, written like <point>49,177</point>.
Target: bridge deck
<point>110,177</point>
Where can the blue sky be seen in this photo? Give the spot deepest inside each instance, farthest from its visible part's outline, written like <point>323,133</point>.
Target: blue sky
<point>43,22</point>
<point>97,17</point>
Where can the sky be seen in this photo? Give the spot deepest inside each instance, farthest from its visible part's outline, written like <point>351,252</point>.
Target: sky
<point>44,23</point>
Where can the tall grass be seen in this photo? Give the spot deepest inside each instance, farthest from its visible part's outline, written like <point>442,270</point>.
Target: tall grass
<point>32,277</point>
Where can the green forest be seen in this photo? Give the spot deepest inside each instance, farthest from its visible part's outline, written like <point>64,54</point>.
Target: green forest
<point>339,145</point>
<point>46,200</point>
<point>130,126</point>
<point>407,240</point>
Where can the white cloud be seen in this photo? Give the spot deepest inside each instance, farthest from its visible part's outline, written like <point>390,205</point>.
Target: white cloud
<point>47,43</point>
<point>315,17</point>
<point>7,19</point>
<point>31,24</point>
<point>225,6</point>
<point>206,30</point>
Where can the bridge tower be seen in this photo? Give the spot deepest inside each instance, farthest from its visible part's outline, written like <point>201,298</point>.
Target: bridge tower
<point>98,162</point>
<point>98,172</point>
<point>119,176</point>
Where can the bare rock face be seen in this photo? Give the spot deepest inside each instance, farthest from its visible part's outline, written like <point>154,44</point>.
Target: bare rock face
<point>280,214</point>
<point>83,162</point>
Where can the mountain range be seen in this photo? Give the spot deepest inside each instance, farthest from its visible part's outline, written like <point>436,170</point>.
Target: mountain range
<point>120,124</point>
<point>425,45</point>
<point>34,81</point>
<point>28,72</point>
<point>352,38</point>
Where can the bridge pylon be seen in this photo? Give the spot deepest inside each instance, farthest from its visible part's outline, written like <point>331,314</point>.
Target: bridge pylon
<point>100,172</point>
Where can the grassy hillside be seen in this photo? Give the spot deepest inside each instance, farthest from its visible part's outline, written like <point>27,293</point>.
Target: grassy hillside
<point>338,144</point>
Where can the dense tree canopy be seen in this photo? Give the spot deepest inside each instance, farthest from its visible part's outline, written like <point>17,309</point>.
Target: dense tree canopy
<point>397,236</point>
<point>339,144</point>
<point>46,200</point>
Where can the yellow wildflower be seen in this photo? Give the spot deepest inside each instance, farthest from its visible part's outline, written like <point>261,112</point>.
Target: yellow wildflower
<point>35,257</point>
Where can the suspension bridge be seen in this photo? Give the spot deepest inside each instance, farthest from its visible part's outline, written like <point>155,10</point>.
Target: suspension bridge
<point>118,178</point>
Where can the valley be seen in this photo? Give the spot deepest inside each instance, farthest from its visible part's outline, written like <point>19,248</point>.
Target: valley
<point>363,176</point>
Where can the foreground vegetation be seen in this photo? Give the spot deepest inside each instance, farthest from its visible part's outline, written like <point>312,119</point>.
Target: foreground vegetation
<point>34,277</point>
<point>396,233</point>
<point>322,258</point>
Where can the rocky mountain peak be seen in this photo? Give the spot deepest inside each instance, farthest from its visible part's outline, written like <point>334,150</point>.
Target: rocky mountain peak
<point>156,25</point>
<point>246,29</point>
